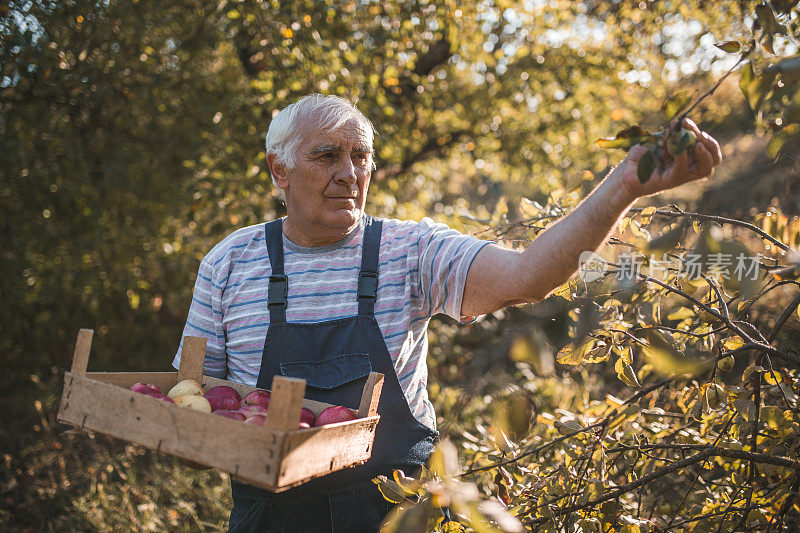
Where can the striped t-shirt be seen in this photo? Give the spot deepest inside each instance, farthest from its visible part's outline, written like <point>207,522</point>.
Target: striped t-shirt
<point>422,268</point>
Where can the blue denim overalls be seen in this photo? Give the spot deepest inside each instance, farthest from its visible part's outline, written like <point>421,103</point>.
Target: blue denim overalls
<point>334,357</point>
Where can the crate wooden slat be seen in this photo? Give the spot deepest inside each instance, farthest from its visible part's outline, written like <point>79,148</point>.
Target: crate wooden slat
<point>275,457</point>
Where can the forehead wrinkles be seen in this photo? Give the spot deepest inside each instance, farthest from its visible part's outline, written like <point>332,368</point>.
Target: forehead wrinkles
<point>351,136</point>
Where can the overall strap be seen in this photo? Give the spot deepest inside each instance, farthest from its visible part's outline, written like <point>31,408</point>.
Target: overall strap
<point>278,283</point>
<point>368,276</point>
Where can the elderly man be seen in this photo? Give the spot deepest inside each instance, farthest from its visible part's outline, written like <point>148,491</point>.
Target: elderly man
<point>329,293</point>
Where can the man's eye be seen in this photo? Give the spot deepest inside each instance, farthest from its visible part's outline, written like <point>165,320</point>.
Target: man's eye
<point>329,156</point>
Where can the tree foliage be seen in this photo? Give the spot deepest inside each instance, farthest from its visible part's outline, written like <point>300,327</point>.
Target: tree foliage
<point>132,141</point>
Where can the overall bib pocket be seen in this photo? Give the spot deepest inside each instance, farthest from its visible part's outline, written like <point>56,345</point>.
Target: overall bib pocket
<point>331,372</point>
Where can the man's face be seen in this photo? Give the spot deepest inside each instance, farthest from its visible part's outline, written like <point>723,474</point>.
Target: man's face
<point>327,188</point>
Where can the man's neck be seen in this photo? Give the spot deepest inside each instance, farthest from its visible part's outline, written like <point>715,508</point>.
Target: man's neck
<point>295,233</point>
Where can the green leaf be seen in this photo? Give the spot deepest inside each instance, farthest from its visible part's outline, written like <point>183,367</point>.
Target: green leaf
<point>668,240</point>
<point>792,113</point>
<point>745,78</point>
<point>568,426</point>
<point>646,165</point>
<point>675,104</point>
<point>766,20</point>
<point>409,518</point>
<point>758,90</point>
<point>680,141</point>
<point>783,6</point>
<point>789,68</point>
<point>729,46</point>
<point>666,359</point>
<point>783,139</point>
<point>627,138</point>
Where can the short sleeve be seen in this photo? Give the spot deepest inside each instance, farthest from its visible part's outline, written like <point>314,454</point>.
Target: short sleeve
<point>445,256</point>
<point>205,320</point>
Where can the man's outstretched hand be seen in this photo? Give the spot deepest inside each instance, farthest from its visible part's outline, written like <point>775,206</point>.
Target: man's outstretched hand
<point>689,165</point>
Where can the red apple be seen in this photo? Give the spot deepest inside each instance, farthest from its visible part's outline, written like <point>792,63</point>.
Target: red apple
<point>162,397</point>
<point>236,415</point>
<point>307,416</point>
<point>223,391</point>
<point>256,420</point>
<point>250,410</point>
<point>223,402</point>
<point>146,388</point>
<point>334,414</point>
<point>257,397</point>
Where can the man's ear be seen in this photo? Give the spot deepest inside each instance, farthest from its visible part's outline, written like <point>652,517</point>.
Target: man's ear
<point>277,170</point>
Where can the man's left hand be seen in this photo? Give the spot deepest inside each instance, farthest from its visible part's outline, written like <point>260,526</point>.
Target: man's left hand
<point>689,165</point>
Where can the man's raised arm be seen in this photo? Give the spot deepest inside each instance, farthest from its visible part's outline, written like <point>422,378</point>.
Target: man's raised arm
<point>499,277</point>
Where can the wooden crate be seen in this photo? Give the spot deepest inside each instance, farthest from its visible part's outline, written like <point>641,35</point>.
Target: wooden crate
<point>275,457</point>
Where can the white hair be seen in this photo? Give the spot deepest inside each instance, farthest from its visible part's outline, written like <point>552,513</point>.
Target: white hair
<point>285,133</point>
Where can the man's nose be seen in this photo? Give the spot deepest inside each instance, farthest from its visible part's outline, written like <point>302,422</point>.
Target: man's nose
<point>346,172</point>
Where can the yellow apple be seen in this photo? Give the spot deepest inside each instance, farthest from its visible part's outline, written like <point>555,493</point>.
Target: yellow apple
<point>198,403</point>
<point>187,386</point>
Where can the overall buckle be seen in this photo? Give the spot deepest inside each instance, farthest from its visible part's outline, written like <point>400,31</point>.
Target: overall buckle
<point>367,284</point>
<point>278,289</point>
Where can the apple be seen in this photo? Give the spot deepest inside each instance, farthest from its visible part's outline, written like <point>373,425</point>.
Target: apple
<point>163,397</point>
<point>250,410</point>
<point>236,415</point>
<point>192,401</point>
<point>146,388</point>
<point>223,391</point>
<point>304,425</point>
<point>186,387</point>
<point>255,420</point>
<point>307,416</point>
<point>223,402</point>
<point>334,414</point>
<point>257,397</point>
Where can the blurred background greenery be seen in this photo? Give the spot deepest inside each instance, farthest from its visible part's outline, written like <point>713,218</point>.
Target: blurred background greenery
<point>131,141</point>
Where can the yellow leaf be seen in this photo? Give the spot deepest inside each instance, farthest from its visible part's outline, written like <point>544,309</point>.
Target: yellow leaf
<point>626,374</point>
<point>776,418</point>
<point>598,354</point>
<point>623,224</point>
<point>732,343</point>
<point>444,460</point>
<point>391,491</point>
<point>680,314</point>
<point>572,355</point>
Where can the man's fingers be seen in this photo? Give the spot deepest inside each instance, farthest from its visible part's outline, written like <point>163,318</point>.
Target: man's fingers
<point>689,124</point>
<point>703,161</point>
<point>708,141</point>
<point>712,146</point>
<point>680,166</point>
